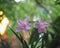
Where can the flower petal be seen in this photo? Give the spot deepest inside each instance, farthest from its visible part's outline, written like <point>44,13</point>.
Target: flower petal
<point>18,28</point>
<point>20,21</point>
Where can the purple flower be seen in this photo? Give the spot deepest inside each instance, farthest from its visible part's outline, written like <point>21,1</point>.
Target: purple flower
<point>23,25</point>
<point>41,26</point>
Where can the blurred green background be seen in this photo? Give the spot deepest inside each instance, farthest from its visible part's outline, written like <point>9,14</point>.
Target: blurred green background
<point>15,9</point>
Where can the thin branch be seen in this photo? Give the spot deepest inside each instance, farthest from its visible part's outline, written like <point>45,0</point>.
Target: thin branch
<point>41,5</point>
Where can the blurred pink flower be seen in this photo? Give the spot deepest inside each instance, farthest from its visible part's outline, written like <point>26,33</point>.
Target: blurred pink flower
<point>23,25</point>
<point>41,25</point>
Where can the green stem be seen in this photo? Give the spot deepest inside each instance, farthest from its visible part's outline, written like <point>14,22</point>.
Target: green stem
<point>20,38</point>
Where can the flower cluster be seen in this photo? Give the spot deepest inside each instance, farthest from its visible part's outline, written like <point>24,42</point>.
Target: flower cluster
<point>24,25</point>
<point>41,26</point>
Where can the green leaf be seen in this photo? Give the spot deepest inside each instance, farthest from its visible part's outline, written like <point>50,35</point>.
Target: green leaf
<point>34,37</point>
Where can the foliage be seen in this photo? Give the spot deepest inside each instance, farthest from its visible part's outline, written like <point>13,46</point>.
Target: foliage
<point>49,10</point>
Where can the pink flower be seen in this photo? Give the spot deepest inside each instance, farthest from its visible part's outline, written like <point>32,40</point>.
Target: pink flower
<point>41,26</point>
<point>23,25</point>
